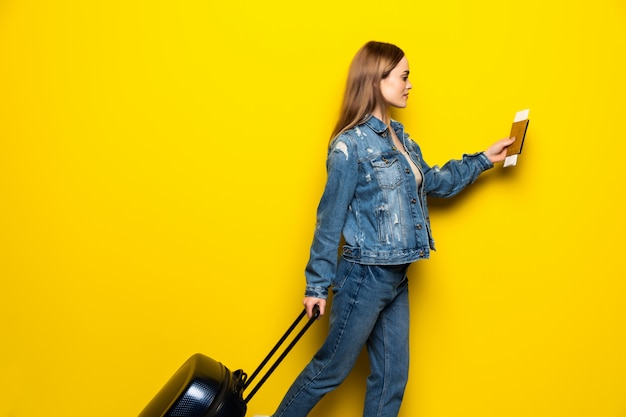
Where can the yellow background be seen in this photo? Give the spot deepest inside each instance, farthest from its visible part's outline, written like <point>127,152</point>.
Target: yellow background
<point>161,163</point>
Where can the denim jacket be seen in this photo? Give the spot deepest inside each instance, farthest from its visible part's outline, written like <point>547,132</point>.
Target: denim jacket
<point>372,200</point>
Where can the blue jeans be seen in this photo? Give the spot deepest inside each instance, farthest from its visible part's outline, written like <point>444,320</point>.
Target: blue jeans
<point>370,308</point>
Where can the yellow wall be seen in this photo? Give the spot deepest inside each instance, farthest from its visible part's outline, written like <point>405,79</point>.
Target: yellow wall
<point>161,162</point>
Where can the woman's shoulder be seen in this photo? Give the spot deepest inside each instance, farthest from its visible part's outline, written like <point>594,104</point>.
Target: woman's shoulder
<point>356,132</point>
<point>348,136</point>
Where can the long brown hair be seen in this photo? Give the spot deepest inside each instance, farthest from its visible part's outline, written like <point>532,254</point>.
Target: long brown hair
<point>371,64</point>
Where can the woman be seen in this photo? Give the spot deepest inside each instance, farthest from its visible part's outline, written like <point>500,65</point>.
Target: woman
<point>375,198</point>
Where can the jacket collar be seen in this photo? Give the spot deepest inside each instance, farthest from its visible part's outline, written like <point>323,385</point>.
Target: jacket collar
<point>378,125</point>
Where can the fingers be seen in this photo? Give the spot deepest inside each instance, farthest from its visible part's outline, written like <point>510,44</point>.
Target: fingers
<point>310,302</point>
<point>505,143</point>
<point>497,152</point>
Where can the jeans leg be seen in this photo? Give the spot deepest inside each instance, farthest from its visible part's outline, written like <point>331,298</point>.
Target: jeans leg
<point>388,350</point>
<point>361,292</point>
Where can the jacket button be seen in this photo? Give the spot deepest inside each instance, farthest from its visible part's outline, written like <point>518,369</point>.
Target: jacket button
<point>413,201</point>
<point>421,253</point>
<point>407,170</point>
<point>418,227</point>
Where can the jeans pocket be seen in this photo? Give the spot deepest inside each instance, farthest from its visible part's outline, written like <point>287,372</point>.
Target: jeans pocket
<point>344,269</point>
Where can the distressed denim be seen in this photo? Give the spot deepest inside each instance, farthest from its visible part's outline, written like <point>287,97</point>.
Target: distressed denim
<point>371,201</point>
<point>370,308</point>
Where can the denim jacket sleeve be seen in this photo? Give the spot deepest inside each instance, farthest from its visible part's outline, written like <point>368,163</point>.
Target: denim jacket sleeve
<point>342,175</point>
<point>454,175</point>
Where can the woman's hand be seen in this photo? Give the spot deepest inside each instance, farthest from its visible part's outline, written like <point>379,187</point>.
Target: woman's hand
<point>497,152</point>
<point>309,302</point>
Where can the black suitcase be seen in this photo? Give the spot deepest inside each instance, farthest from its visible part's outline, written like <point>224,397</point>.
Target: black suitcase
<point>203,387</point>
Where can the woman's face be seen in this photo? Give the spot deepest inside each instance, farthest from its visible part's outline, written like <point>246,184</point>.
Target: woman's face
<point>395,88</point>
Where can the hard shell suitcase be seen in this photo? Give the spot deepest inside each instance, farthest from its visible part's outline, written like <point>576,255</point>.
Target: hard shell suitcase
<point>204,387</point>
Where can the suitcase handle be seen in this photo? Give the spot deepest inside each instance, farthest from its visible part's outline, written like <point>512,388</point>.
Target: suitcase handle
<point>316,314</point>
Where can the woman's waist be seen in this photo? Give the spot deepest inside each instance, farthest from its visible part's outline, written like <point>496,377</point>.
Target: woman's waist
<point>385,255</point>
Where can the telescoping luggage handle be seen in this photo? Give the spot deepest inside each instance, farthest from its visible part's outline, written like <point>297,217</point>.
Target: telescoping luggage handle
<point>316,313</point>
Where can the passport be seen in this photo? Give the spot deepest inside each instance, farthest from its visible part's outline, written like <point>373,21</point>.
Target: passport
<point>518,131</point>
